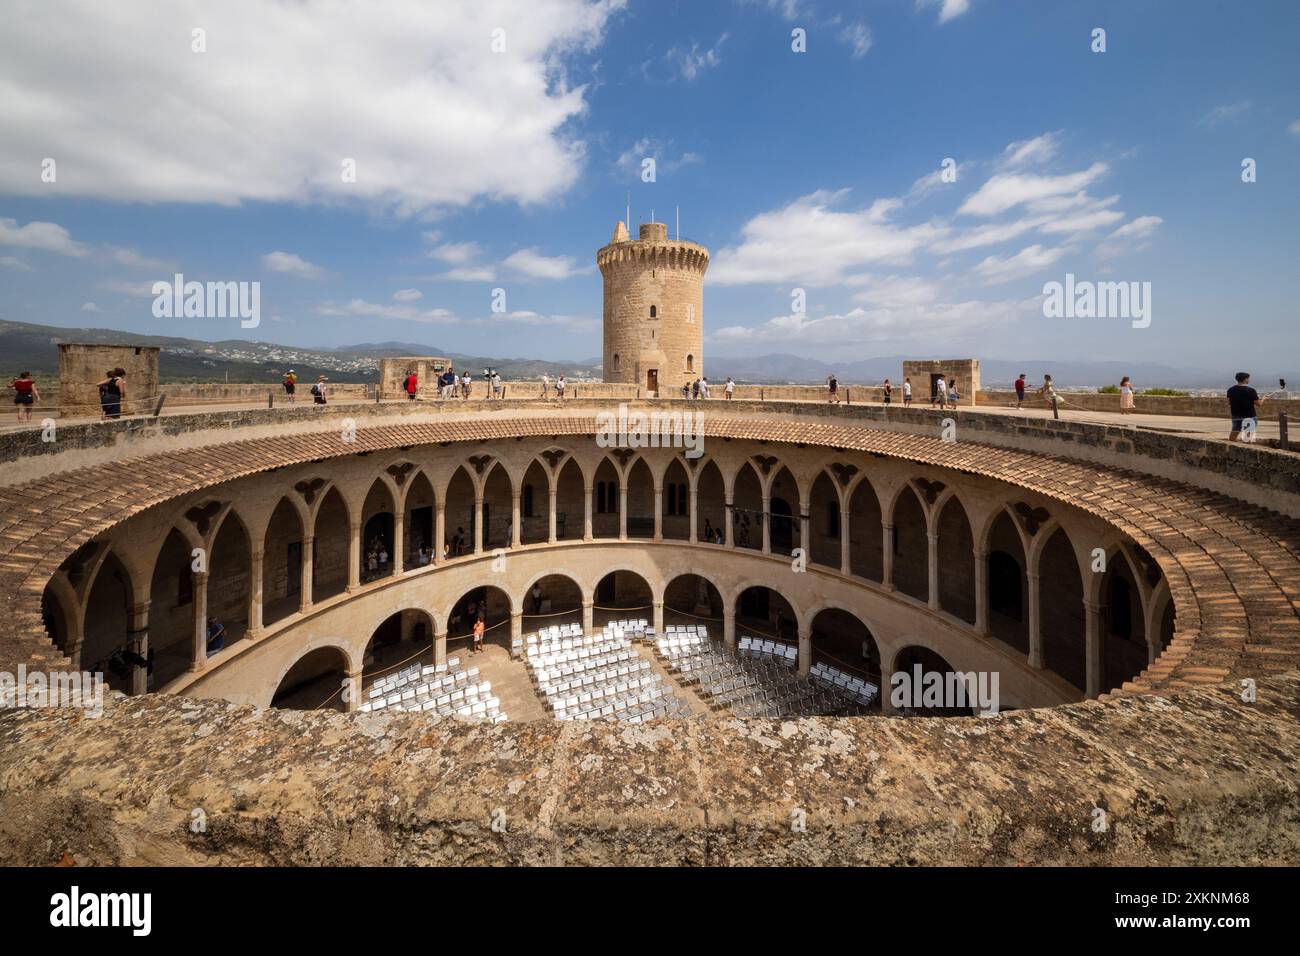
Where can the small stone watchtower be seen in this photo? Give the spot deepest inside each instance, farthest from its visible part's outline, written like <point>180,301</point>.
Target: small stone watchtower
<point>654,309</point>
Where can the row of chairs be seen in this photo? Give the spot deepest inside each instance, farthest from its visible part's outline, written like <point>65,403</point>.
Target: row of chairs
<point>856,687</point>
<point>749,686</point>
<point>597,676</point>
<point>550,633</point>
<point>443,691</point>
<point>765,649</point>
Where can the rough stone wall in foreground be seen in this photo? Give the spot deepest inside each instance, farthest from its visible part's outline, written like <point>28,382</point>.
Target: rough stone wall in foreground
<point>1192,778</point>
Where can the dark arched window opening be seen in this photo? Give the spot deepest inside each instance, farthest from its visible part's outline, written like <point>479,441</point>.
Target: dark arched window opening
<point>528,501</point>
<point>1119,599</point>
<point>654,312</point>
<point>1004,585</point>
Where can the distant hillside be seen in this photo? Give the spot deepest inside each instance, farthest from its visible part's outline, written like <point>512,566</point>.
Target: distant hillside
<point>26,346</point>
<point>34,347</point>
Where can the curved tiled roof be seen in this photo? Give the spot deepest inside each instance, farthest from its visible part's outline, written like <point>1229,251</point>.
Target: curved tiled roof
<point>1233,568</point>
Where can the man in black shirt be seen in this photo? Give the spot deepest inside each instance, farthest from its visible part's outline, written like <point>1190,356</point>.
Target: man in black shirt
<point>1242,403</point>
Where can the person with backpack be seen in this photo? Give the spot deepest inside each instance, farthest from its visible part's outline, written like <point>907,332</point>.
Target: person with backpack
<point>26,395</point>
<point>832,389</point>
<point>111,392</point>
<point>318,390</point>
<point>290,384</point>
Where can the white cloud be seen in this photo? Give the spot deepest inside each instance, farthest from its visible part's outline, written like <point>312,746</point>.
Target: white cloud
<point>470,274</point>
<point>90,307</point>
<point>1029,151</point>
<point>688,64</point>
<point>290,263</point>
<point>134,259</point>
<point>1097,218</point>
<point>810,241</point>
<point>407,295</point>
<point>43,236</point>
<point>432,116</point>
<point>629,161</point>
<point>360,308</point>
<point>895,291</point>
<point>135,288</point>
<point>1026,262</point>
<point>456,253</point>
<point>858,37</point>
<point>1226,112</point>
<point>1139,228</point>
<point>1007,190</point>
<point>13,262</point>
<point>532,264</point>
<point>1294,128</point>
<point>948,9</point>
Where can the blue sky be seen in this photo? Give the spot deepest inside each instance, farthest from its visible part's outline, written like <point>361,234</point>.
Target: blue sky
<point>480,169</point>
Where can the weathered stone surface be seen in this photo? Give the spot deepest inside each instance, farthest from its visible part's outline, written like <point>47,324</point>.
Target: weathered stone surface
<point>1193,777</point>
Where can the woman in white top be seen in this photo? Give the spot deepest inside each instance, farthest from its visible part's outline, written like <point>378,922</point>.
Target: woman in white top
<point>559,387</point>
<point>1125,396</point>
<point>731,387</point>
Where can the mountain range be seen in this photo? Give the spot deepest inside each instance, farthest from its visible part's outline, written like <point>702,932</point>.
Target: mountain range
<point>26,346</point>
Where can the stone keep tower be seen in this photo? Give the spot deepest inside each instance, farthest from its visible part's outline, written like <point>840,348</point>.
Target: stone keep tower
<point>654,309</point>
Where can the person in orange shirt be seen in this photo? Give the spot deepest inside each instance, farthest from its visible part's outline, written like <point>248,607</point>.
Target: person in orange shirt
<point>478,635</point>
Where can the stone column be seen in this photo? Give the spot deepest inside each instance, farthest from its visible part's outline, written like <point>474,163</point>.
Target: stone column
<point>551,535</point>
<point>352,692</point>
<point>805,535</point>
<point>846,555</point>
<point>729,626</point>
<point>981,592</point>
<point>1035,624</point>
<point>516,627</point>
<point>199,650</point>
<point>886,672</point>
<point>767,524</point>
<point>933,569</point>
<point>805,648</point>
<point>140,645</point>
<point>478,524</point>
<point>586,514</point>
<point>308,547</point>
<point>256,570</point>
<point>588,617</point>
<point>515,519</point>
<point>440,647</point>
<point>1092,643</point>
<point>694,506</point>
<point>730,520</point>
<point>622,510</point>
<point>659,617</point>
<point>354,557</point>
<point>887,557</point>
<point>659,513</point>
<point>399,544</point>
<point>439,531</point>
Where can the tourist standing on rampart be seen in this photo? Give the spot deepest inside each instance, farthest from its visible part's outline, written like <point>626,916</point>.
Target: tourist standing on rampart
<point>26,394</point>
<point>1243,406</point>
<point>1020,390</point>
<point>888,390</point>
<point>730,388</point>
<point>290,384</point>
<point>112,390</point>
<point>907,392</point>
<point>832,389</point>
<point>1125,396</point>
<point>412,385</point>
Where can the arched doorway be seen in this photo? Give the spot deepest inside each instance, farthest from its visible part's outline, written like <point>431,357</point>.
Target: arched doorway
<point>1123,635</point>
<point>1061,610</point>
<point>605,501</point>
<point>228,573</point>
<point>403,638</point>
<point>640,501</point>
<point>692,599</point>
<point>418,525</point>
<point>866,555</point>
<point>488,602</point>
<point>763,612</point>
<point>377,533</point>
<point>676,502</point>
<point>747,519</point>
<point>620,593</point>
<point>570,502</point>
<point>911,547</point>
<point>331,542</point>
<point>956,562</point>
<point>824,522</point>
<point>314,682</point>
<point>282,564</point>
<point>842,641</point>
<point>459,515</point>
<point>783,503</point>
<point>1008,585</point>
<point>916,697</point>
<point>710,504</point>
<point>535,505</point>
<point>171,609</point>
<point>108,624</point>
<point>498,509</point>
<point>553,599</point>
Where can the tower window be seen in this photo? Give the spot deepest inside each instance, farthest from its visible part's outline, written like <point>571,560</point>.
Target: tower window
<point>615,361</point>
<point>690,363</point>
<point>654,312</point>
